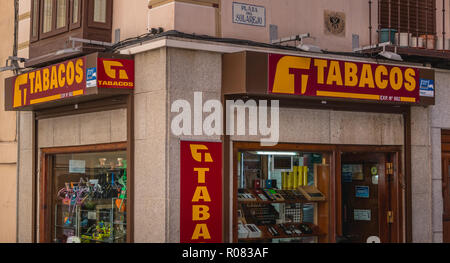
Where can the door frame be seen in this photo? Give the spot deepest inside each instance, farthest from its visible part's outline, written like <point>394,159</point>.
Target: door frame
<point>445,197</point>
<point>445,160</point>
<point>394,191</point>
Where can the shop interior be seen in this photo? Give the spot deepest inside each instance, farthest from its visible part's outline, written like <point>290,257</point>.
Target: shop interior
<point>278,196</point>
<point>89,193</point>
<point>290,197</point>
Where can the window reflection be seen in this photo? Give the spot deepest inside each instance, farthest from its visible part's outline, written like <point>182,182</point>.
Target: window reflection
<point>90,193</point>
<point>75,11</point>
<point>48,16</point>
<point>61,13</point>
<point>100,11</point>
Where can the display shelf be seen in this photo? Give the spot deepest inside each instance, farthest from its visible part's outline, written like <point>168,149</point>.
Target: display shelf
<point>282,235</point>
<point>97,240</point>
<point>103,207</point>
<point>286,201</point>
<point>68,227</point>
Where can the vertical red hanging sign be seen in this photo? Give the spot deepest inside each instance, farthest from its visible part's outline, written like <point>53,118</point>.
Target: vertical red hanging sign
<point>200,192</point>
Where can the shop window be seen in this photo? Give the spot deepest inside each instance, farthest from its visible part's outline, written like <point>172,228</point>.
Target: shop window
<point>89,193</point>
<point>280,195</point>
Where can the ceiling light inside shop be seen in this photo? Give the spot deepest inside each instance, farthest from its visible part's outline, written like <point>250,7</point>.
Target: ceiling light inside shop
<point>277,153</point>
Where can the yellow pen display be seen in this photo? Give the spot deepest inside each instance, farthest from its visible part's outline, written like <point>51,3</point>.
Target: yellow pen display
<point>283,181</point>
<point>295,177</point>
<point>305,176</point>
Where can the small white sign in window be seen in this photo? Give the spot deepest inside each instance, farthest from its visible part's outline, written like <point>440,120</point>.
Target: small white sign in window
<point>362,215</point>
<point>77,166</point>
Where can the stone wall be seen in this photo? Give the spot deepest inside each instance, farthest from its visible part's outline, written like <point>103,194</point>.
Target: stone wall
<point>439,120</point>
<point>151,181</point>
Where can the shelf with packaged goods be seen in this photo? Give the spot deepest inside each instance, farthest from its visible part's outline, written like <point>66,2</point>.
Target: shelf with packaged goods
<point>292,200</point>
<point>266,235</point>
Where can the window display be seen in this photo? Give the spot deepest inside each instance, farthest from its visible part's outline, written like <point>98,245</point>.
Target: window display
<point>278,196</point>
<point>89,200</point>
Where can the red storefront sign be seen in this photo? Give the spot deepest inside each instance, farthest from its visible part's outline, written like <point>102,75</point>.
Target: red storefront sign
<point>115,73</point>
<point>318,77</point>
<point>72,81</point>
<point>67,79</point>
<point>200,192</point>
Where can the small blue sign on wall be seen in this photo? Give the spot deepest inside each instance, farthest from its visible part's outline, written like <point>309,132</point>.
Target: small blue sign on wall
<point>362,192</point>
<point>91,79</point>
<point>426,87</point>
<point>347,173</point>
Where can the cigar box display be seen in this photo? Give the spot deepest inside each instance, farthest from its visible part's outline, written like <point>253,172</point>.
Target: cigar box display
<point>253,231</point>
<point>243,232</point>
<point>273,195</point>
<point>241,218</point>
<point>245,196</point>
<point>312,193</point>
<point>261,195</point>
<point>260,214</point>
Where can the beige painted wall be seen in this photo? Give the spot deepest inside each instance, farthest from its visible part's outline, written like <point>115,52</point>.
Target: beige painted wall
<point>162,16</point>
<point>291,16</point>
<point>130,17</point>
<point>8,142</point>
<point>304,16</point>
<point>24,204</point>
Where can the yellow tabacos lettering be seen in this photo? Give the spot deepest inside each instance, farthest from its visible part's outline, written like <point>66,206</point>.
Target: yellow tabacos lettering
<point>56,76</point>
<point>46,79</point>
<point>115,83</point>
<point>201,193</point>
<point>293,73</point>
<point>20,80</point>
<point>200,211</point>
<point>201,231</point>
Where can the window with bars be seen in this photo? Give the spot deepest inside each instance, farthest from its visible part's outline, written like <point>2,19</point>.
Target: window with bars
<point>417,17</point>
